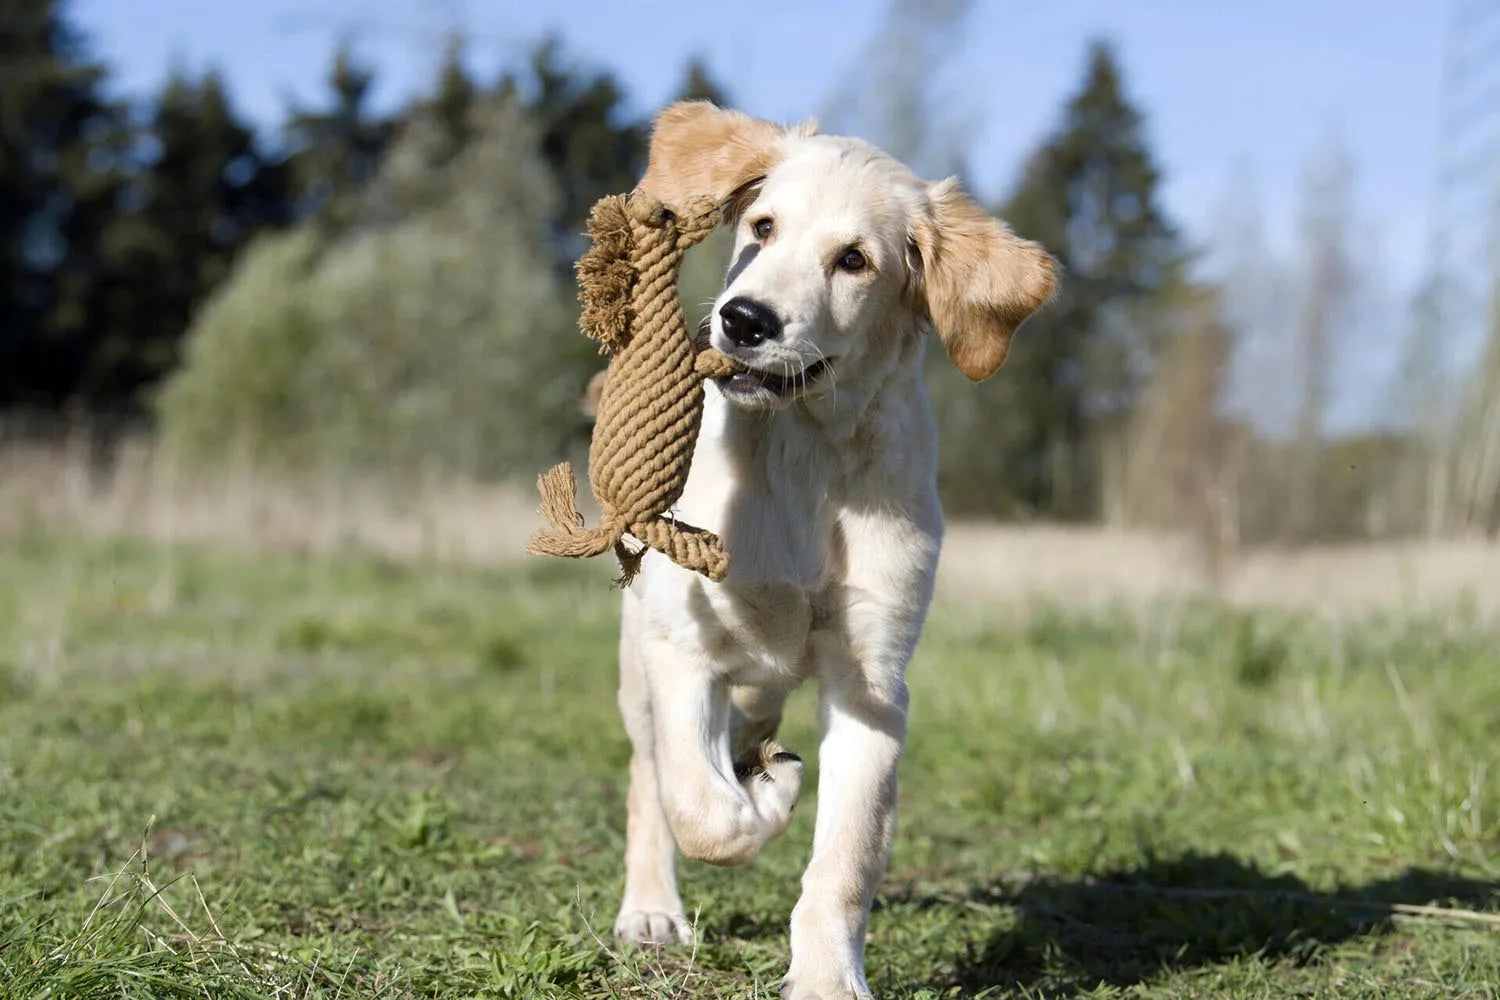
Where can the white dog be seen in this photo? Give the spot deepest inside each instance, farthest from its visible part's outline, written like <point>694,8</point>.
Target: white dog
<point>818,468</point>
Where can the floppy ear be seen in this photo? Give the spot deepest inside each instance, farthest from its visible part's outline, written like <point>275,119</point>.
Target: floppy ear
<point>981,280</point>
<point>700,149</point>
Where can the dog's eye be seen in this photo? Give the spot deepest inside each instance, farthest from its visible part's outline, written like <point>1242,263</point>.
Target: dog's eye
<point>852,260</point>
<point>761,228</point>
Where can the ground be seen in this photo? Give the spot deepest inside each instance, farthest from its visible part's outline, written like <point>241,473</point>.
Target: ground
<point>227,775</point>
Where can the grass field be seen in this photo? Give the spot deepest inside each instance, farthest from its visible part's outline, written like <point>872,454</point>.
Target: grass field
<point>230,776</point>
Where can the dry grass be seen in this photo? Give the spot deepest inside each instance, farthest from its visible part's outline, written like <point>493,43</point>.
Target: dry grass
<point>52,487</point>
<point>1099,566</point>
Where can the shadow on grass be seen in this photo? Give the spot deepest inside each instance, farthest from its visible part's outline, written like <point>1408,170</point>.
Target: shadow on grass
<point>1124,927</point>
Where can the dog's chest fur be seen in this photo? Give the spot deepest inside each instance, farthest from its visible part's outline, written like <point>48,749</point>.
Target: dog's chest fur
<point>784,494</point>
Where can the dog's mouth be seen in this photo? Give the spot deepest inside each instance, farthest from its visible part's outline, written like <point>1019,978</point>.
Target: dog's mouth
<point>754,381</point>
<point>759,383</point>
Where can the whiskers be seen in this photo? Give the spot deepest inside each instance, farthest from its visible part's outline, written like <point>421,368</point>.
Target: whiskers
<point>830,373</point>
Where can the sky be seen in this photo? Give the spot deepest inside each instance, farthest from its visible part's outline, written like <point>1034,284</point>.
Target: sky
<point>1235,94</point>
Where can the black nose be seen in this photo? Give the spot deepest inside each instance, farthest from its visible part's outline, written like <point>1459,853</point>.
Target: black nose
<point>747,322</point>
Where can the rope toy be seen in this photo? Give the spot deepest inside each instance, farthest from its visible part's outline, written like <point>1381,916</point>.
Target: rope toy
<point>652,402</point>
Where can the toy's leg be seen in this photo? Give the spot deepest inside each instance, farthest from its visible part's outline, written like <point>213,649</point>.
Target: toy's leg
<point>691,548</point>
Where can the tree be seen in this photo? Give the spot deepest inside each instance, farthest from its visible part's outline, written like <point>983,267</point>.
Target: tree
<point>411,175</point>
<point>436,342</point>
<point>1325,302</point>
<point>895,98</point>
<point>1028,442</point>
<point>1176,463</point>
<point>584,137</point>
<point>61,143</point>
<point>203,193</point>
<point>698,85</point>
<point>337,150</point>
<point>1473,459</point>
<point>453,103</point>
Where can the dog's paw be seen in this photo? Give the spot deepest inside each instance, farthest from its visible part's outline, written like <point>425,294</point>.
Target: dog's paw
<point>848,988</point>
<point>772,776</point>
<point>653,927</point>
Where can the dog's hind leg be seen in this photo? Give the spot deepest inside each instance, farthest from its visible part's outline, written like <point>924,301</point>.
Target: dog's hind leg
<point>757,717</point>
<point>651,911</point>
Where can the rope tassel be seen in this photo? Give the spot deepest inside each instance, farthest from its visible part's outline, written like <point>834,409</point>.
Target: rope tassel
<point>559,508</point>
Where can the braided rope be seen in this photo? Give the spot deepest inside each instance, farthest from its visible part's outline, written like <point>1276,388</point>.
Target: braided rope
<point>651,408</point>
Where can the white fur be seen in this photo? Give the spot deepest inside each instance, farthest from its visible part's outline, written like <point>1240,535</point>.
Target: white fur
<point>828,505</point>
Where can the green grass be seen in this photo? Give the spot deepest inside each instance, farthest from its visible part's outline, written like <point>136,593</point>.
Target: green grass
<point>224,776</point>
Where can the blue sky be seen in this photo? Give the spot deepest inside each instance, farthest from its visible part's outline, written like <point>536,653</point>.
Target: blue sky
<point>1227,87</point>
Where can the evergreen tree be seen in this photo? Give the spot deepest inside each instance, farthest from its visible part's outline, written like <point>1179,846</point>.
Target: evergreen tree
<point>1028,443</point>
<point>584,138</point>
<point>698,85</point>
<point>430,133</point>
<point>337,150</point>
<point>206,190</point>
<point>61,143</point>
<point>453,104</point>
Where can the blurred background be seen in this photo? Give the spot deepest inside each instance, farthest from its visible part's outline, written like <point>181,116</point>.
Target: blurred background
<point>299,274</point>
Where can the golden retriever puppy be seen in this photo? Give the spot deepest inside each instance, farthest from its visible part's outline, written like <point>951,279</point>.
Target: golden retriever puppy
<point>818,468</point>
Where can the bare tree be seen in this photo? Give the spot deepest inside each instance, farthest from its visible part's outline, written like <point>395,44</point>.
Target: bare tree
<point>896,97</point>
<point>1178,468</point>
<point>1474,495</point>
<point>1326,213</point>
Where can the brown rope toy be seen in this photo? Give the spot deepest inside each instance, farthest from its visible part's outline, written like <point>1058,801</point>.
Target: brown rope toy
<point>652,404</point>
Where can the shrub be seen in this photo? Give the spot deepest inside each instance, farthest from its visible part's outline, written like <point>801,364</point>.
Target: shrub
<point>436,336</point>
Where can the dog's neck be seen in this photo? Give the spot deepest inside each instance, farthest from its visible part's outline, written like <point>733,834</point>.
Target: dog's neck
<point>775,481</point>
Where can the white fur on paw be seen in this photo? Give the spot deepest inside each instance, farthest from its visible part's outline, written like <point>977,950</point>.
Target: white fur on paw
<point>772,776</point>
<point>852,989</point>
<point>654,927</point>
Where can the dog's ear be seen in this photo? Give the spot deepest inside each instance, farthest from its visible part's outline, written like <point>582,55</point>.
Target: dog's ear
<point>980,279</point>
<point>700,149</point>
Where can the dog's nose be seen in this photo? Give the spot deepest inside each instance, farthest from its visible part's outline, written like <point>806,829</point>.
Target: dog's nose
<point>747,322</point>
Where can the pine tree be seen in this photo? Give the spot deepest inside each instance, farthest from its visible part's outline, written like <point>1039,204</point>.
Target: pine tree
<point>1028,443</point>
<point>591,148</point>
<point>698,85</point>
<point>61,143</point>
<point>453,104</point>
<point>203,194</point>
<point>337,150</point>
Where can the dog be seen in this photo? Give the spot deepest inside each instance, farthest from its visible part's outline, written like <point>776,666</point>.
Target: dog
<point>817,466</point>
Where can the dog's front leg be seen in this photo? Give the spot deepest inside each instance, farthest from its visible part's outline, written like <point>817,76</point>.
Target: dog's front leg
<point>650,911</point>
<point>859,657</point>
<point>721,809</point>
<point>864,729</point>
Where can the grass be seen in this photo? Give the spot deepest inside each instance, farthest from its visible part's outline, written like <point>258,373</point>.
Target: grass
<point>230,776</point>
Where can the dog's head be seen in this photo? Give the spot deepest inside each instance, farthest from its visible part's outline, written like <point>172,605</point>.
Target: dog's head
<point>833,239</point>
